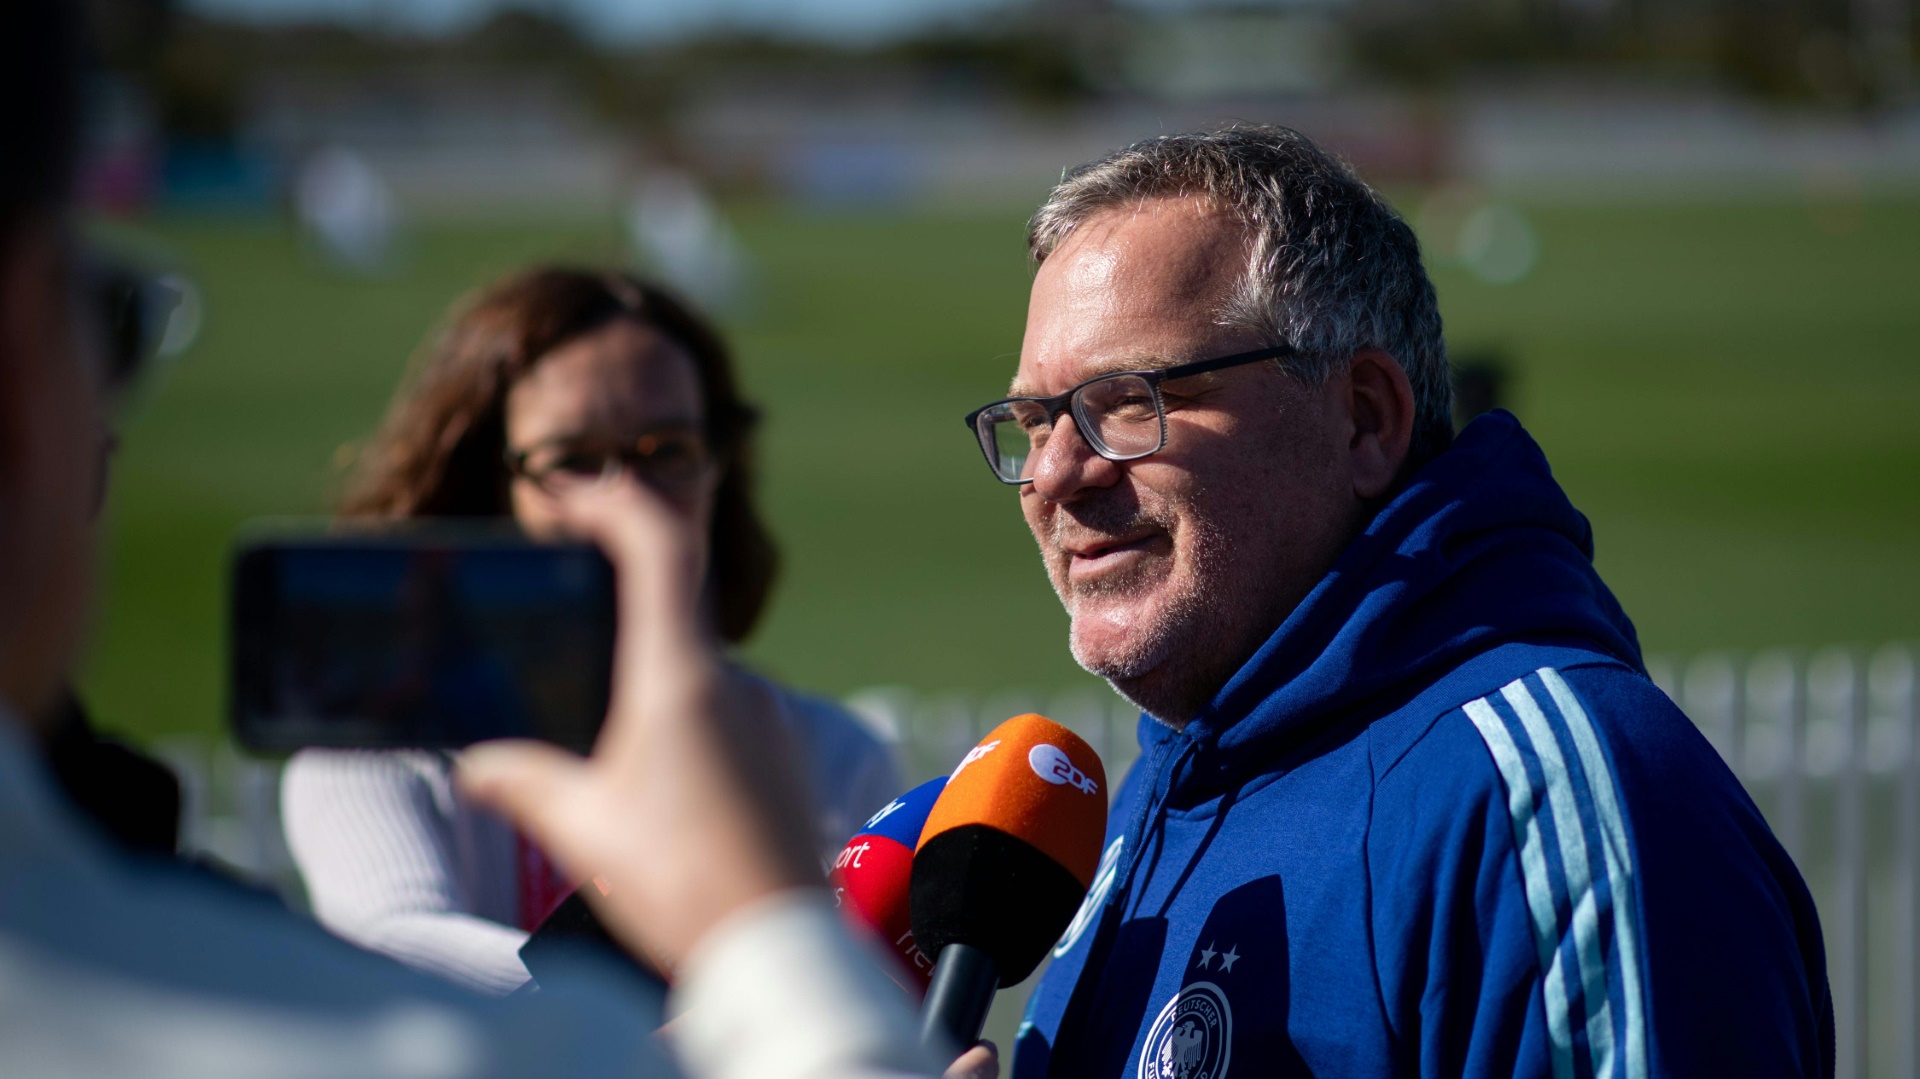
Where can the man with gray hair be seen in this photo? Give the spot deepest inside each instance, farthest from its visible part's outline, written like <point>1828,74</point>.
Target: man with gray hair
<point>1407,803</point>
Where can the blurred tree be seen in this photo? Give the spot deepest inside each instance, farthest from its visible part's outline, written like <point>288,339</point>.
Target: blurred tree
<point>1840,53</point>
<point>1045,53</point>
<point>1029,63</point>
<point>197,80</point>
<point>128,33</point>
<point>520,37</point>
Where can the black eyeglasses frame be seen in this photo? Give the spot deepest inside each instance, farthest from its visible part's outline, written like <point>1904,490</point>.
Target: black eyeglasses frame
<point>630,457</point>
<point>1070,401</point>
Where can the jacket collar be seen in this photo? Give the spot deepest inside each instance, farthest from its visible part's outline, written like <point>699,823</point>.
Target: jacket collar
<point>1481,548</point>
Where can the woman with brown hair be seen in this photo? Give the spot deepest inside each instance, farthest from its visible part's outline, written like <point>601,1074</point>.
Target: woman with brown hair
<point>550,379</point>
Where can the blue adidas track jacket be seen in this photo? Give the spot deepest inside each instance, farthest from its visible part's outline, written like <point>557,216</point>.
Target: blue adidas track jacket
<point>1441,824</point>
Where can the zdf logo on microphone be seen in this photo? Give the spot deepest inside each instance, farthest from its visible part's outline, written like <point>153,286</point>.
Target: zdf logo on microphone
<point>1050,763</point>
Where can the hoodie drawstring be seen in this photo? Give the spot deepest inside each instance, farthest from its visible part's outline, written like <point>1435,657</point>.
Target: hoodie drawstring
<point>1148,814</point>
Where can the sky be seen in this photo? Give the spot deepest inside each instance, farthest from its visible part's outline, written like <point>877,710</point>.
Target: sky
<point>624,20</point>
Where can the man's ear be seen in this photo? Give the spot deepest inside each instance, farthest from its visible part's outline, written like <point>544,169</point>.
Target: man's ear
<point>1380,405</point>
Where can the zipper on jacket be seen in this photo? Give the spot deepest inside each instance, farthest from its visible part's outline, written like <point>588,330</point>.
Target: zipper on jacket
<point>1145,818</point>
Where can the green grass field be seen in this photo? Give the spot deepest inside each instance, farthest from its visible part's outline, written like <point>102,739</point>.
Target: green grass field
<point>1732,394</point>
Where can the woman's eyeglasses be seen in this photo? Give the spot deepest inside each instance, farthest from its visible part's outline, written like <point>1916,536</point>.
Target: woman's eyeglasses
<point>671,460</point>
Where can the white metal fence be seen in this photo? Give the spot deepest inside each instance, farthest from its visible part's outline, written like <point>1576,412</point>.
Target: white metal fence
<point>1824,740</point>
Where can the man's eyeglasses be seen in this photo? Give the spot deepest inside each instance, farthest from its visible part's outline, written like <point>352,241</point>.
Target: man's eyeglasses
<point>1120,415</point>
<point>129,319</point>
<point>670,460</point>
<point>141,316</point>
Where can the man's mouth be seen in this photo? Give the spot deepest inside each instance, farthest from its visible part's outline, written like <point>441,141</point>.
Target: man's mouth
<point>1091,559</point>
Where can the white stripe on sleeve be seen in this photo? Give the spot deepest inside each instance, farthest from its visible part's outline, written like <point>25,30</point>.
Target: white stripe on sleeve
<point>1533,874</point>
<point>1541,724</point>
<point>1569,829</point>
<point>1619,861</point>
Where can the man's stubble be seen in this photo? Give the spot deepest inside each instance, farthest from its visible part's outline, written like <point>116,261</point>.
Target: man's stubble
<point>1167,666</point>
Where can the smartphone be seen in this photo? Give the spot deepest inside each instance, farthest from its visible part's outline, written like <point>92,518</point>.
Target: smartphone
<point>418,639</point>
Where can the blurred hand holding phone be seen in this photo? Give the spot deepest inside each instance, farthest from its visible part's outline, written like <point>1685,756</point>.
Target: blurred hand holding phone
<point>688,813</point>
<point>445,637</point>
<point>689,806</point>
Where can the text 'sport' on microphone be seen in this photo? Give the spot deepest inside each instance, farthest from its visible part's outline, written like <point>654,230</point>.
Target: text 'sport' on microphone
<point>871,880</point>
<point>1011,845</point>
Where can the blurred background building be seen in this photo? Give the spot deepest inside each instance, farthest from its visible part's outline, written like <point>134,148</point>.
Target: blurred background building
<point>472,107</point>
<point>1680,239</point>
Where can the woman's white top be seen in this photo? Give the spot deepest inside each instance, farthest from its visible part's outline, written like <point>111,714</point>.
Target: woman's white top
<point>397,861</point>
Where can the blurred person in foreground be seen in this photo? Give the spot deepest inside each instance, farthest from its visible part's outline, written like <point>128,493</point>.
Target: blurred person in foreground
<point>109,966</point>
<point>1407,803</point>
<point>547,382</point>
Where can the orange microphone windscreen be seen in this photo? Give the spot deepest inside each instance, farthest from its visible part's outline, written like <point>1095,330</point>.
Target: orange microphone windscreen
<point>1034,780</point>
<point>1011,845</point>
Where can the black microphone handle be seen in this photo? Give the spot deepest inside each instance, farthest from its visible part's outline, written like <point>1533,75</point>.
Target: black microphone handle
<point>955,1008</point>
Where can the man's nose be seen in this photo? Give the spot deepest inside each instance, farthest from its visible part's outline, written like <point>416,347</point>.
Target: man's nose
<point>1066,465</point>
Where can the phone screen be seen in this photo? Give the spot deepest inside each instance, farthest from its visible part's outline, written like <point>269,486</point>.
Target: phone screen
<point>411,641</point>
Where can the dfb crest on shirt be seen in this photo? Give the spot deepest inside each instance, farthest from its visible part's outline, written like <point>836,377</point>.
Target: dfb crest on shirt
<point>1192,1038</point>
